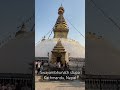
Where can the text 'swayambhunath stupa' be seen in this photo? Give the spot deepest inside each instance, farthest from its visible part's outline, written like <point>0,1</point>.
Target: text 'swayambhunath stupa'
<point>60,48</point>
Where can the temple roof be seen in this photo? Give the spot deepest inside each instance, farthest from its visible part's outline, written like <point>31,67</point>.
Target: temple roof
<point>59,46</point>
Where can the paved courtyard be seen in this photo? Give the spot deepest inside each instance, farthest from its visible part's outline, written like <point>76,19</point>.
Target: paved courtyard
<point>58,85</point>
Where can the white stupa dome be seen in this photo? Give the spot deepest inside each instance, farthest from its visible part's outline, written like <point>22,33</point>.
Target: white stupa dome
<point>16,55</point>
<point>74,48</point>
<point>102,57</point>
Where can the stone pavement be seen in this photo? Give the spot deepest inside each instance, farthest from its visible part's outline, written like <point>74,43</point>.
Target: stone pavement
<point>58,85</point>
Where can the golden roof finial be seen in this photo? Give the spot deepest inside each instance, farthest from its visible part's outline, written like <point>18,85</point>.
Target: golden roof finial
<point>60,25</point>
<point>61,10</point>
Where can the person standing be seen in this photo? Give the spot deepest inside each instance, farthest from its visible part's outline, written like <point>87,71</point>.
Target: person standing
<point>41,67</point>
<point>66,66</point>
<point>59,65</point>
<point>38,68</point>
<point>36,65</point>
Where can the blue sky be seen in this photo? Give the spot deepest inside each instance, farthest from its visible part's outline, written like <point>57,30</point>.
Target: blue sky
<point>46,14</point>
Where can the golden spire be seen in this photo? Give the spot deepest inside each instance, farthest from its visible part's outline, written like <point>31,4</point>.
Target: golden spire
<point>61,4</point>
<point>60,28</point>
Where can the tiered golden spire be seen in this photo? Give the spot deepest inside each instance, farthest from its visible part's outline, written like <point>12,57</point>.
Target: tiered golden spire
<point>60,29</point>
